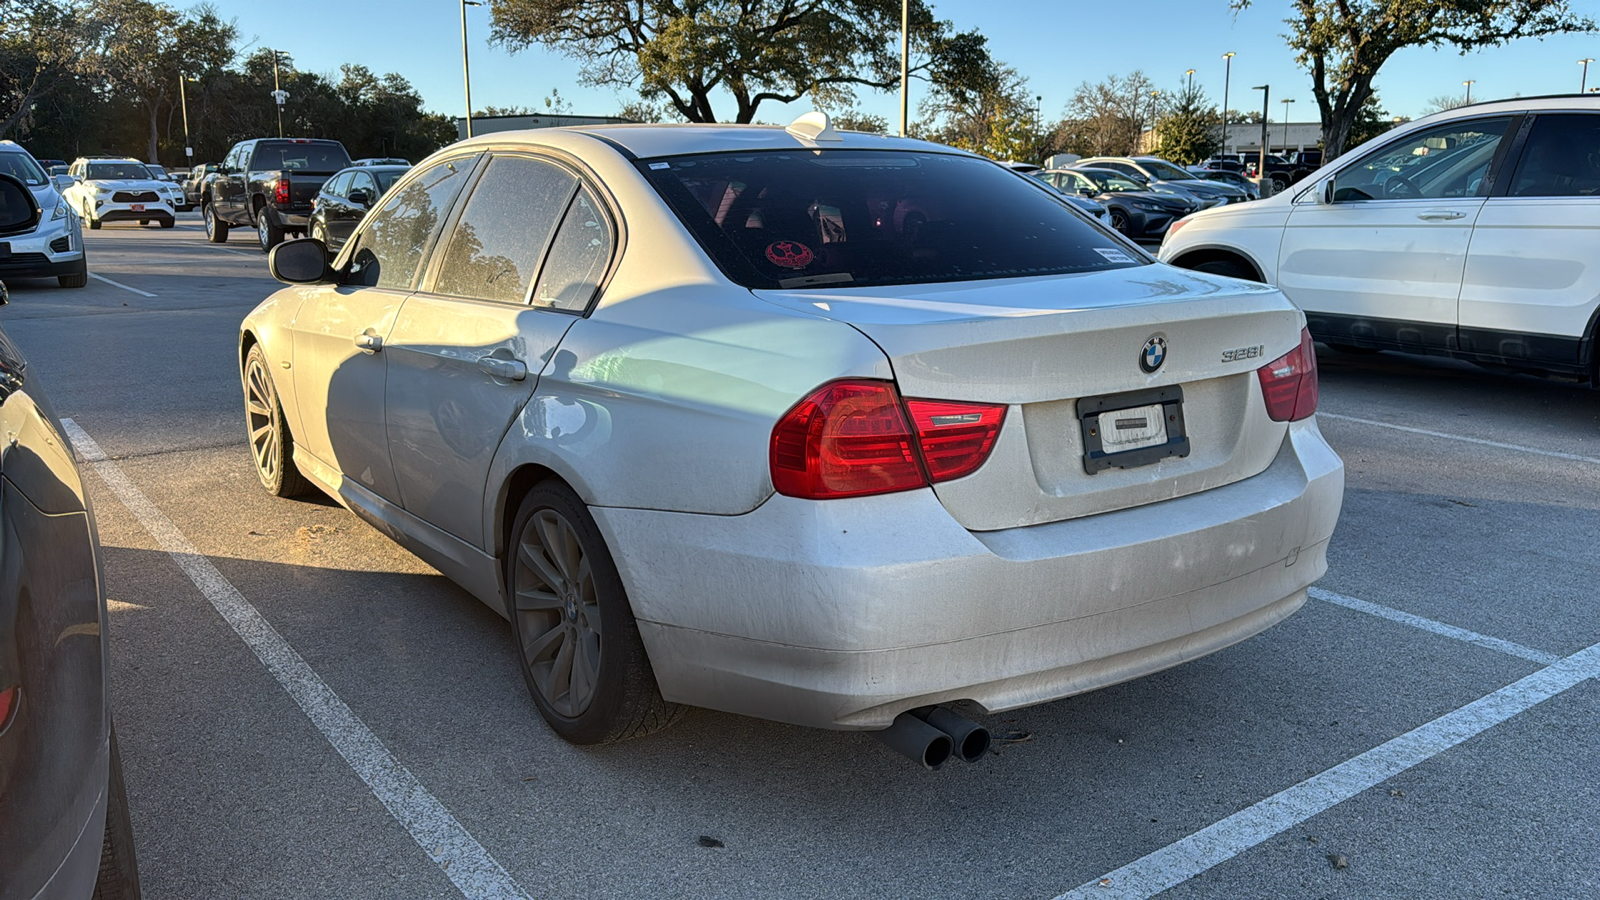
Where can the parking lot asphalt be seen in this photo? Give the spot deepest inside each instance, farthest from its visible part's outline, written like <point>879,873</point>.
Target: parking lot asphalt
<point>1424,727</point>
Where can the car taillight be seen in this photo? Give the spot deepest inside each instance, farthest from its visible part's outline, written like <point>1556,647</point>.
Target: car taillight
<point>955,438</point>
<point>852,437</point>
<point>848,438</point>
<point>280,193</point>
<point>8,705</point>
<point>1289,383</point>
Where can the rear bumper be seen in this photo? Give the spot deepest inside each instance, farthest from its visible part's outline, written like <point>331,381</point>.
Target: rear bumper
<point>843,614</point>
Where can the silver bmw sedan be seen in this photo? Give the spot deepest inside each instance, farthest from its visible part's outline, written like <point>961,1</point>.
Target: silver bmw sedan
<point>821,427</point>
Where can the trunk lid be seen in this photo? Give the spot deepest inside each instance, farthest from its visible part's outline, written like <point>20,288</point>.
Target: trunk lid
<point>1042,345</point>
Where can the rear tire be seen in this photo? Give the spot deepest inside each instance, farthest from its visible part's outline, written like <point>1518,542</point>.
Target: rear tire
<point>94,224</point>
<point>268,234</point>
<point>575,636</point>
<point>119,869</point>
<point>271,445</point>
<point>1227,267</point>
<point>216,231</point>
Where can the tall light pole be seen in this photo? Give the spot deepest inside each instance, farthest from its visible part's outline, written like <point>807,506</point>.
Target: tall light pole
<point>1286,101</point>
<point>1261,167</point>
<point>183,101</point>
<point>1583,86</point>
<point>905,63</point>
<point>1468,83</point>
<point>1190,86</point>
<point>1227,74</point>
<point>466,70</point>
<point>1153,96</point>
<point>279,95</point>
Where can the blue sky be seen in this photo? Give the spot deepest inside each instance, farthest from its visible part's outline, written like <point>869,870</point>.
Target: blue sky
<point>1054,45</point>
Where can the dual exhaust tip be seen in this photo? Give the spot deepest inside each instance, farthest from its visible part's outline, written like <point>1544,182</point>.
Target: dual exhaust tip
<point>932,734</point>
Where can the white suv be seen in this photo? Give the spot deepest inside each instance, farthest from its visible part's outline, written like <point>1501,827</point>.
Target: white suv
<point>54,249</point>
<point>1470,233</point>
<point>121,190</point>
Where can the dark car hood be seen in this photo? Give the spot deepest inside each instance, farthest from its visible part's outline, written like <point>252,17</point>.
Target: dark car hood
<point>1173,202</point>
<point>1206,188</point>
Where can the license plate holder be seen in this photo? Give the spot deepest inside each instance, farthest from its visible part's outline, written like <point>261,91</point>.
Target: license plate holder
<point>138,207</point>
<point>1144,427</point>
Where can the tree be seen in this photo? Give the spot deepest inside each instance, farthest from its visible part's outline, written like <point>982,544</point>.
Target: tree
<point>1345,42</point>
<point>1442,103</point>
<point>994,116</point>
<point>42,45</point>
<point>856,120</point>
<point>1370,122</point>
<point>1108,118</point>
<point>1191,129</point>
<point>754,50</point>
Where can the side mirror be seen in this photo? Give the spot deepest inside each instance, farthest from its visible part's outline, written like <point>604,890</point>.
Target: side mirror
<point>1085,192</point>
<point>1324,193</point>
<point>302,261</point>
<point>359,197</point>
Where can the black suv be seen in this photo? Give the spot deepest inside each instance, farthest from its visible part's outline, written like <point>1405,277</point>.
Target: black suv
<point>269,184</point>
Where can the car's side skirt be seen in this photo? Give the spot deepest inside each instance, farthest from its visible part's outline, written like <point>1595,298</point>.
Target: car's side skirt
<point>456,559</point>
<point>1552,353</point>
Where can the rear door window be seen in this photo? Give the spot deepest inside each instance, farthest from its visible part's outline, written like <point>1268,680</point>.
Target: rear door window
<point>398,234</point>
<point>840,218</point>
<point>577,259</point>
<point>1560,159</point>
<point>494,250</point>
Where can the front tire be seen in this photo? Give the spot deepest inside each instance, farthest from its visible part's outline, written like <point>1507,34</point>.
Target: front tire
<point>1120,223</point>
<point>77,279</point>
<point>576,639</point>
<point>94,224</point>
<point>216,231</point>
<point>271,445</point>
<point>169,223</point>
<point>119,868</point>
<point>1226,267</point>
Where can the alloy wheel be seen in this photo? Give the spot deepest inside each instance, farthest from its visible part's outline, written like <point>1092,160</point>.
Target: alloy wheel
<point>261,415</point>
<point>558,613</point>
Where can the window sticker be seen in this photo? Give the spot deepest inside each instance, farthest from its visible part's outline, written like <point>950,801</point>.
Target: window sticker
<point>1112,254</point>
<point>656,167</point>
<point>789,254</point>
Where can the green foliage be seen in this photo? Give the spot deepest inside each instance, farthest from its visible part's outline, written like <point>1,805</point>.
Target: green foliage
<point>1190,129</point>
<point>686,55</point>
<point>81,77</point>
<point>1345,42</point>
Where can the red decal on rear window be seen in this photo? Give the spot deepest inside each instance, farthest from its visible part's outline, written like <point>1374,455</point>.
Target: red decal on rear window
<point>789,254</point>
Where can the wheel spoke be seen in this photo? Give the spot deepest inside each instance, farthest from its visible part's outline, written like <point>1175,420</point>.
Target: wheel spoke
<point>533,557</point>
<point>533,599</point>
<point>257,434</point>
<point>561,677</point>
<point>537,649</point>
<point>554,540</point>
<point>585,672</point>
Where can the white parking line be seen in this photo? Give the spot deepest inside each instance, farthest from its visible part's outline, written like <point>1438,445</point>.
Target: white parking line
<point>465,862</point>
<point>120,285</point>
<point>227,250</point>
<point>1439,628</point>
<point>1463,438</point>
<point>1218,843</point>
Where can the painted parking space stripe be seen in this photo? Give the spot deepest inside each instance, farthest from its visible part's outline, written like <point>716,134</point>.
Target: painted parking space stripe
<point>1439,628</point>
<point>1520,448</point>
<point>1222,841</point>
<point>120,285</point>
<point>475,873</point>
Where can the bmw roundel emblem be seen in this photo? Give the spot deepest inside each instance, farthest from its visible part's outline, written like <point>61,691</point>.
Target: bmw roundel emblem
<point>1153,354</point>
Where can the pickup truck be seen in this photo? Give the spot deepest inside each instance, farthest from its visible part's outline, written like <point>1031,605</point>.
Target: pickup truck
<point>1285,171</point>
<point>269,184</point>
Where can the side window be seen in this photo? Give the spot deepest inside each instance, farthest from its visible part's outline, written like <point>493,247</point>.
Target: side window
<point>1560,159</point>
<point>361,181</point>
<point>494,251</point>
<point>578,258</point>
<point>397,234</point>
<point>339,186</point>
<point>1443,162</point>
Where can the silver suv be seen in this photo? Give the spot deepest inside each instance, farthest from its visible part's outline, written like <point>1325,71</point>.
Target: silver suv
<point>54,248</point>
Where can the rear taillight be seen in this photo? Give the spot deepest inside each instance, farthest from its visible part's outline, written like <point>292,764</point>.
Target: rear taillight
<point>955,438</point>
<point>850,438</point>
<point>8,705</point>
<point>280,193</point>
<point>1289,383</point>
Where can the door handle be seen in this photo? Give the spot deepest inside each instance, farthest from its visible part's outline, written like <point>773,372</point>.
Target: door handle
<point>368,342</point>
<point>507,369</point>
<point>1440,215</point>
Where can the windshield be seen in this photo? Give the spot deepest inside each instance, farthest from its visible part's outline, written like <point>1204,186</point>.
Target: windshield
<point>1165,171</point>
<point>22,167</point>
<point>117,171</point>
<point>854,218</point>
<point>1107,180</point>
<point>305,157</point>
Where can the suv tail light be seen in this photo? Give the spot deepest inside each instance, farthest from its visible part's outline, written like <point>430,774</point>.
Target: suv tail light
<point>8,705</point>
<point>850,438</point>
<point>280,192</point>
<point>1289,383</point>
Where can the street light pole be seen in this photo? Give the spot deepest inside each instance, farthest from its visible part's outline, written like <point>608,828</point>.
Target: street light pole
<point>1190,87</point>
<point>466,70</point>
<point>1286,102</point>
<point>1468,83</point>
<point>1583,86</point>
<point>183,100</point>
<point>1153,120</point>
<point>1227,75</point>
<point>905,63</point>
<point>277,92</point>
<point>1261,167</point>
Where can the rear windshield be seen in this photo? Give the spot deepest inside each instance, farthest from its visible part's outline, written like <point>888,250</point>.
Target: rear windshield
<point>855,218</point>
<point>300,157</point>
<point>119,171</point>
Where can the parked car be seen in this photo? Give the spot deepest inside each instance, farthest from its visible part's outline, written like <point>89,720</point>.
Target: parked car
<point>345,199</point>
<point>1158,173</point>
<point>795,423</point>
<point>382,161</point>
<point>161,173</point>
<point>194,183</point>
<point>64,826</point>
<point>52,247</point>
<point>1284,171</point>
<point>120,190</point>
<point>1228,176</point>
<point>1087,206</point>
<point>1141,214</point>
<point>1469,233</point>
<point>269,184</point>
